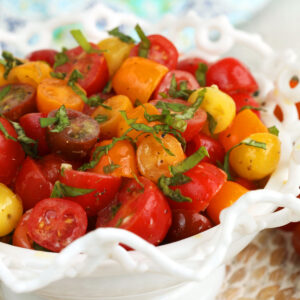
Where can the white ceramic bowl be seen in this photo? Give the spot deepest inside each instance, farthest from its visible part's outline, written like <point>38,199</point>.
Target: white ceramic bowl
<point>95,266</point>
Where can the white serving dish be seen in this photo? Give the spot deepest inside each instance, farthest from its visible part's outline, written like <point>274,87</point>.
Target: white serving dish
<point>95,266</point>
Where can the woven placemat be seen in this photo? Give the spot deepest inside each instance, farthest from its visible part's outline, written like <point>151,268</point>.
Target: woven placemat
<point>268,268</point>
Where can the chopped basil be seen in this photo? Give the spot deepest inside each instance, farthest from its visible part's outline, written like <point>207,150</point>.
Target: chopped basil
<point>38,247</point>
<point>201,74</point>
<point>138,181</point>
<point>176,107</point>
<point>114,209</point>
<point>60,58</point>
<point>145,44</point>
<point>164,95</point>
<point>273,130</point>
<point>83,42</point>
<point>110,168</point>
<point>122,37</point>
<point>61,190</point>
<point>4,92</point>
<point>183,92</point>
<point>9,62</point>
<point>212,123</point>
<point>6,134</point>
<point>251,107</point>
<point>58,75</point>
<point>101,118</point>
<point>107,88</point>
<point>60,121</point>
<point>96,100</point>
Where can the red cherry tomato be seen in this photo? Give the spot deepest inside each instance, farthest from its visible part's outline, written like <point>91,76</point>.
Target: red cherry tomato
<point>161,50</point>
<point>11,153</point>
<point>32,127</point>
<point>248,184</point>
<point>194,125</point>
<point>215,149</point>
<point>243,99</point>
<point>47,55</point>
<point>54,223</point>
<point>92,66</point>
<point>21,237</point>
<point>231,76</point>
<point>143,211</point>
<point>206,181</point>
<point>180,76</point>
<point>31,184</point>
<point>190,64</point>
<point>105,188</point>
<point>186,223</point>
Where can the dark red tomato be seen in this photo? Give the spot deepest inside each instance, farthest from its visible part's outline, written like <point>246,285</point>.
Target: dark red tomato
<point>31,184</point>
<point>194,125</point>
<point>32,127</point>
<point>77,139</point>
<point>296,238</point>
<point>231,76</point>
<point>21,237</point>
<point>248,184</point>
<point>244,99</point>
<point>161,50</point>
<point>55,223</point>
<point>206,181</point>
<point>215,149</point>
<point>144,211</point>
<point>19,101</point>
<point>104,188</point>
<point>47,55</point>
<point>11,153</point>
<point>190,64</point>
<point>180,76</point>
<point>92,66</point>
<point>186,223</point>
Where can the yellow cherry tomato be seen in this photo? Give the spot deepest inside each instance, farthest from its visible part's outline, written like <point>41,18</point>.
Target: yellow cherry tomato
<point>109,128</point>
<point>10,210</point>
<point>30,72</point>
<point>115,53</point>
<point>3,81</point>
<point>255,163</point>
<point>137,78</point>
<point>218,104</point>
<point>153,160</point>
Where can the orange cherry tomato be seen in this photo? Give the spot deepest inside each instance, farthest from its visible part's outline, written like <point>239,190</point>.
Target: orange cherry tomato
<point>109,128</point>
<point>244,124</point>
<point>3,81</point>
<point>227,195</point>
<point>137,78</point>
<point>122,154</point>
<point>53,93</point>
<point>153,160</point>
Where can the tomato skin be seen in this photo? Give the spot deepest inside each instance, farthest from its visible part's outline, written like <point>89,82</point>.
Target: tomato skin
<point>214,147</point>
<point>190,64</point>
<point>20,236</point>
<point>186,223</point>
<point>31,184</point>
<point>47,55</point>
<point>54,223</point>
<point>144,211</point>
<point>11,154</point>
<point>105,188</point>
<point>206,181</point>
<point>180,76</point>
<point>161,50</point>
<point>231,76</point>
<point>244,99</point>
<point>93,67</point>
<point>32,127</point>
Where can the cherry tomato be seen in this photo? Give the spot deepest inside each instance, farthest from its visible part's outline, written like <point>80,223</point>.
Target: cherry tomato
<point>231,76</point>
<point>180,76</point>
<point>104,188</point>
<point>215,149</point>
<point>248,184</point>
<point>32,127</point>
<point>161,50</point>
<point>77,139</point>
<point>206,181</point>
<point>21,237</point>
<point>243,99</point>
<point>47,55</point>
<point>11,154</point>
<point>54,223</point>
<point>31,184</point>
<point>143,211</point>
<point>18,101</point>
<point>190,64</point>
<point>186,223</point>
<point>92,66</point>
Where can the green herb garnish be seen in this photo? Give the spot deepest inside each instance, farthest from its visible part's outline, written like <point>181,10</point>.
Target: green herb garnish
<point>83,42</point>
<point>107,88</point>
<point>60,58</point>
<point>201,74</point>
<point>58,75</point>
<point>183,92</point>
<point>9,62</point>
<point>273,130</point>
<point>251,107</point>
<point>4,92</point>
<point>61,190</point>
<point>122,37</point>
<point>110,168</point>
<point>101,118</point>
<point>145,44</point>
<point>212,123</point>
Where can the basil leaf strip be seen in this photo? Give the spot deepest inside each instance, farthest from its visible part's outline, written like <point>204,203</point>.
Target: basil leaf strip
<point>6,134</point>
<point>60,58</point>
<point>183,92</point>
<point>4,92</point>
<point>145,44</point>
<point>273,130</point>
<point>201,73</point>
<point>110,168</point>
<point>107,88</point>
<point>101,118</point>
<point>83,42</point>
<point>9,62</point>
<point>61,190</point>
<point>251,107</point>
<point>212,123</point>
<point>122,37</point>
<point>58,75</point>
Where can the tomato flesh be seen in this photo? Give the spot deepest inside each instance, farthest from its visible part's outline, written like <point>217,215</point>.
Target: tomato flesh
<point>21,237</point>
<point>190,64</point>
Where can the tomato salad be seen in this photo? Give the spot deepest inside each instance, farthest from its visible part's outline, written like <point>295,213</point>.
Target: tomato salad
<point>125,134</point>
